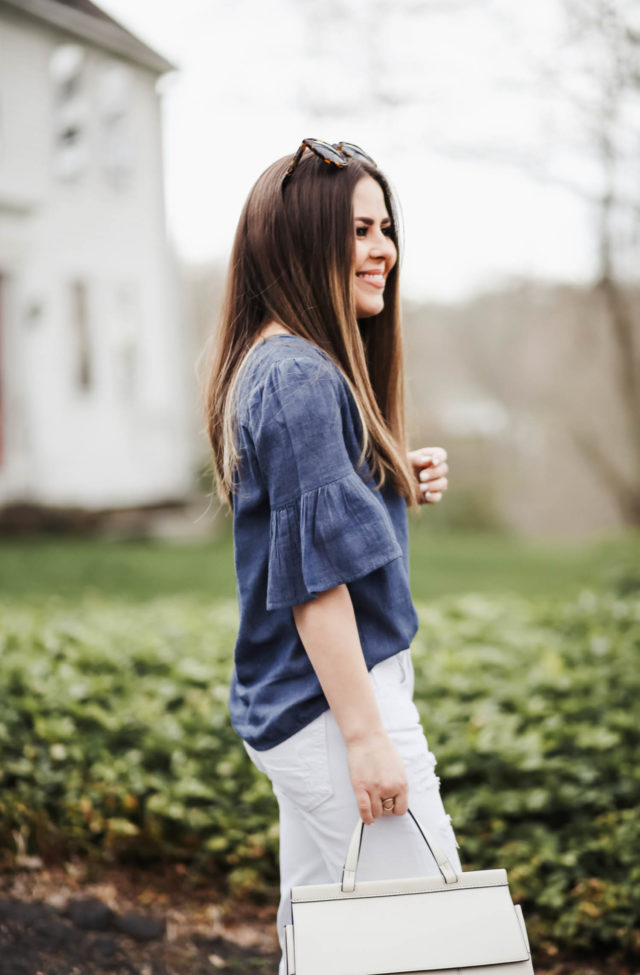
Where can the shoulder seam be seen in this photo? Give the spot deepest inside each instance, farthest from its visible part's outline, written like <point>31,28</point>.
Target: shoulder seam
<point>331,372</point>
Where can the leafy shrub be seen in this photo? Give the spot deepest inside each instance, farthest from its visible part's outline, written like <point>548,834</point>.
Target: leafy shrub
<point>532,710</point>
<point>115,743</point>
<point>115,738</point>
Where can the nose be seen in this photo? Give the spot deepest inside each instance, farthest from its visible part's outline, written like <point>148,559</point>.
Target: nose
<point>382,246</point>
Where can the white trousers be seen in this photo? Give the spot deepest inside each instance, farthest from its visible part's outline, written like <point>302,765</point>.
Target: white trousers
<point>318,810</point>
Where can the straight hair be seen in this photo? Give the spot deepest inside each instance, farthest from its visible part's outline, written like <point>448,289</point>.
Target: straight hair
<point>293,263</point>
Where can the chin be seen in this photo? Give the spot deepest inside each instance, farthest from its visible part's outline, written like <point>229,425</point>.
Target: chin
<point>368,309</point>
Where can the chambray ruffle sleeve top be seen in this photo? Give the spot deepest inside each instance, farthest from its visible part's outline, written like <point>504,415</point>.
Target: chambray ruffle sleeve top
<point>306,519</point>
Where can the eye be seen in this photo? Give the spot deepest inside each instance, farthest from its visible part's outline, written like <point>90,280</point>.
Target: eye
<point>362,231</point>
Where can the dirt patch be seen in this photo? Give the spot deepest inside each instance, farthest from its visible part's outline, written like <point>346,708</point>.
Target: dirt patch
<point>57,921</point>
<point>128,922</point>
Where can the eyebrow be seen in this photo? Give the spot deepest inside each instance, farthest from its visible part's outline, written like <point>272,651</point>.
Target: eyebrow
<point>369,221</point>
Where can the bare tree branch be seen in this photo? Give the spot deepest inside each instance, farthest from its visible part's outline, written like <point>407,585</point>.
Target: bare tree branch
<point>536,167</point>
<point>627,496</point>
<point>623,326</point>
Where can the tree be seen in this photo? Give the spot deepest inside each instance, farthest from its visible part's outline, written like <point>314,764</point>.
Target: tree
<point>605,43</point>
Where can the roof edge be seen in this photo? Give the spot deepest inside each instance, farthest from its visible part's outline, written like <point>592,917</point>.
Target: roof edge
<point>101,32</point>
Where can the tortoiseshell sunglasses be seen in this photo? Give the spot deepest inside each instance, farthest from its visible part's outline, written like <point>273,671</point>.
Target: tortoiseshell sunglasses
<point>336,154</point>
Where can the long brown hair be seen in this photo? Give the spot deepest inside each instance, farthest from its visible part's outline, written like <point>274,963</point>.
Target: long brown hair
<point>292,263</point>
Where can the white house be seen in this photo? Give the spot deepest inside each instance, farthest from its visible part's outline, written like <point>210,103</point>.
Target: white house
<point>94,397</point>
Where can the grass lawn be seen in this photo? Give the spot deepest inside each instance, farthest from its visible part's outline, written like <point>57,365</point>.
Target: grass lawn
<point>441,563</point>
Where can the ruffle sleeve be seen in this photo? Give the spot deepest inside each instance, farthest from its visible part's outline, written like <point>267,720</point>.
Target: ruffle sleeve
<point>334,534</point>
<point>327,525</point>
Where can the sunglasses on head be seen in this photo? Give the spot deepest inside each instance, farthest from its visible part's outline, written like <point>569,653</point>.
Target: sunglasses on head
<point>335,154</point>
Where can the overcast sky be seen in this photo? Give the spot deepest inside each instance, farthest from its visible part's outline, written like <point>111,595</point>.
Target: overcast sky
<point>439,93</point>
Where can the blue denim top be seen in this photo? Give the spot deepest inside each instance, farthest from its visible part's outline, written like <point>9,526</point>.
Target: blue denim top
<point>305,520</point>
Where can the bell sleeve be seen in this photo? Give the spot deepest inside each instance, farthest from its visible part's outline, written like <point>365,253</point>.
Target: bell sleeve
<point>327,525</point>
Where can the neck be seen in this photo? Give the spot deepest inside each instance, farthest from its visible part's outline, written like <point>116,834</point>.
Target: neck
<point>271,328</point>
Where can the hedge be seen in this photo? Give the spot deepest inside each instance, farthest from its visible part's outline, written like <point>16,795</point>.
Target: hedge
<point>115,744</point>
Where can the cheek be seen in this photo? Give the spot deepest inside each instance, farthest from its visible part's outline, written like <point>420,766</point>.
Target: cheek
<point>360,253</point>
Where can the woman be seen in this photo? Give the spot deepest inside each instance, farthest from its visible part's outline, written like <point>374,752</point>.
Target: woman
<point>305,414</point>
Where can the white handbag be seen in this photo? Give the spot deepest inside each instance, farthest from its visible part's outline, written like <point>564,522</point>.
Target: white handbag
<point>452,924</point>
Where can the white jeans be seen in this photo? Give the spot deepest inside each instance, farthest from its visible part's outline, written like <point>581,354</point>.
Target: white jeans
<point>318,810</point>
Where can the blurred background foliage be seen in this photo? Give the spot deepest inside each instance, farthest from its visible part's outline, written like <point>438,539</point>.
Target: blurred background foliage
<point>115,742</point>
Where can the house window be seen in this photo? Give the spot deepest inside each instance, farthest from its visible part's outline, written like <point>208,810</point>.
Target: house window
<point>125,341</point>
<point>81,344</point>
<point>2,132</point>
<point>70,111</point>
<point>114,100</point>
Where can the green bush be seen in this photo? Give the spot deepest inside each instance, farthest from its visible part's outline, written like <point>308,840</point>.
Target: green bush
<point>115,743</point>
<point>115,738</point>
<point>532,710</point>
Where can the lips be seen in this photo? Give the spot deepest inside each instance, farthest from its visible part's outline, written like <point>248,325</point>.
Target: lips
<point>374,278</point>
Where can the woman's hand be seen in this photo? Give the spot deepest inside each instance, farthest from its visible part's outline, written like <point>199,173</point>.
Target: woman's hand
<point>377,772</point>
<point>430,469</point>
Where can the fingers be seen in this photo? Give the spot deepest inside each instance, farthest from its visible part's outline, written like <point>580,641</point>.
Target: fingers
<point>364,807</point>
<point>370,806</point>
<point>430,497</point>
<point>427,458</point>
<point>399,793</point>
<point>429,455</point>
<point>401,804</point>
<point>390,805</point>
<point>433,482</point>
<point>433,472</point>
<point>377,773</point>
<point>376,806</point>
<point>438,484</point>
<point>430,465</point>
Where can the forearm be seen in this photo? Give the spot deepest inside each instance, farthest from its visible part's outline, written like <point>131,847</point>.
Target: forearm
<point>328,631</point>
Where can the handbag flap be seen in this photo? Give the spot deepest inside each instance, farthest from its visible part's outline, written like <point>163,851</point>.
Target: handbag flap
<point>446,927</point>
<point>405,885</point>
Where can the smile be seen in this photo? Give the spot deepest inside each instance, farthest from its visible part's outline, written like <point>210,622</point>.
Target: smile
<point>374,278</point>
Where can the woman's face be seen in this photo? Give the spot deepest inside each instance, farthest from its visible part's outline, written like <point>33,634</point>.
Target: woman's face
<point>375,251</point>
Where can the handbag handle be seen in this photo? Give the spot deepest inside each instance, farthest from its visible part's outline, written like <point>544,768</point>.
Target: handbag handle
<point>353,855</point>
